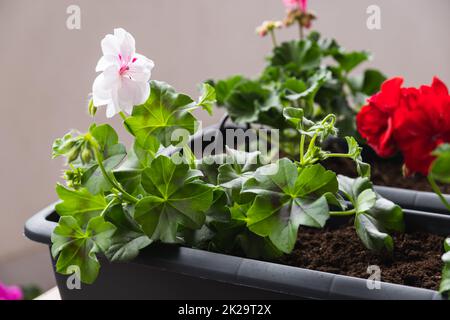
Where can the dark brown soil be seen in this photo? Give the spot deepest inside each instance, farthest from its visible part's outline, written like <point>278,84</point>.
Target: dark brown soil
<point>385,172</point>
<point>416,260</point>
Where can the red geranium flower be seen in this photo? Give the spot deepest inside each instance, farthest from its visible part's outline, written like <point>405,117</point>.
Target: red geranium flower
<point>423,126</point>
<point>414,121</point>
<point>375,120</point>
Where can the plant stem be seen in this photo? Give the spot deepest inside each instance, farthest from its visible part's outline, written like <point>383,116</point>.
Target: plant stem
<point>123,115</point>
<point>343,213</point>
<point>312,143</point>
<point>274,39</point>
<point>437,190</point>
<point>113,201</point>
<point>111,179</point>
<point>302,33</point>
<point>302,147</point>
<point>338,155</point>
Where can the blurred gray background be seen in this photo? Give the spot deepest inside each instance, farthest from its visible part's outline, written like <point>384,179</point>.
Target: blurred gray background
<point>47,72</point>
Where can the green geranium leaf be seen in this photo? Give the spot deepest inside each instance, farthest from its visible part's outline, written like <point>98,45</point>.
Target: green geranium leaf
<point>294,116</point>
<point>209,166</point>
<point>224,88</point>
<point>138,159</point>
<point>272,74</point>
<point>129,239</point>
<point>294,86</point>
<point>256,247</point>
<point>440,168</point>
<point>230,234</point>
<point>245,100</point>
<point>175,197</point>
<point>77,248</point>
<point>365,85</point>
<point>371,234</point>
<point>208,98</point>
<point>164,112</point>
<point>349,61</point>
<point>306,98</point>
<point>372,81</point>
<point>238,167</point>
<point>80,204</point>
<point>309,93</point>
<point>112,152</point>
<point>130,180</point>
<point>375,216</point>
<point>129,172</point>
<point>297,56</point>
<point>354,150</point>
<point>217,218</point>
<point>287,197</point>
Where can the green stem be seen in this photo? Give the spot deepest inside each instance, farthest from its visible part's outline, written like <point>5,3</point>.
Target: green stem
<point>111,179</point>
<point>338,155</point>
<point>113,201</point>
<point>329,116</point>
<point>302,148</point>
<point>437,190</point>
<point>123,115</point>
<point>274,39</point>
<point>312,143</point>
<point>343,213</point>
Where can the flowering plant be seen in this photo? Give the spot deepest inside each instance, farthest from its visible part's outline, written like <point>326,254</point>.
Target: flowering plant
<point>312,73</point>
<point>118,201</point>
<point>407,120</point>
<point>416,123</point>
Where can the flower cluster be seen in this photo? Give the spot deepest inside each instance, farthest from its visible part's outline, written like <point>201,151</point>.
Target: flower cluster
<point>123,82</point>
<point>296,13</point>
<point>296,4</point>
<point>10,292</point>
<point>414,121</point>
<point>267,27</point>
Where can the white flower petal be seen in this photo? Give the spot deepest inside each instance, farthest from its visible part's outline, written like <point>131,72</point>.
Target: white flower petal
<point>140,69</point>
<point>142,92</point>
<point>104,86</point>
<point>111,110</point>
<point>110,45</point>
<point>100,94</point>
<point>133,93</point>
<point>106,61</point>
<point>127,44</point>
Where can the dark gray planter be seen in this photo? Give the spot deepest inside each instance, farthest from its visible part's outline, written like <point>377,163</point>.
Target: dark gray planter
<point>172,272</point>
<point>416,200</point>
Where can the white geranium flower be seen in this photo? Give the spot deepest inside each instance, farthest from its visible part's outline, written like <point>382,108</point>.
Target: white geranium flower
<point>124,81</point>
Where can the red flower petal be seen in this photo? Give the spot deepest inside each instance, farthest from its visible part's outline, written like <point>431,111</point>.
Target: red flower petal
<point>376,127</point>
<point>439,87</point>
<point>388,98</point>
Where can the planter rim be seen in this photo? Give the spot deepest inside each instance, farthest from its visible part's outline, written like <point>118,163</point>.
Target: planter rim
<point>414,199</point>
<point>268,276</point>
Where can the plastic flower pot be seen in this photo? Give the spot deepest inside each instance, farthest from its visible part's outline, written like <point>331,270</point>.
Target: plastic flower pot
<point>173,272</point>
